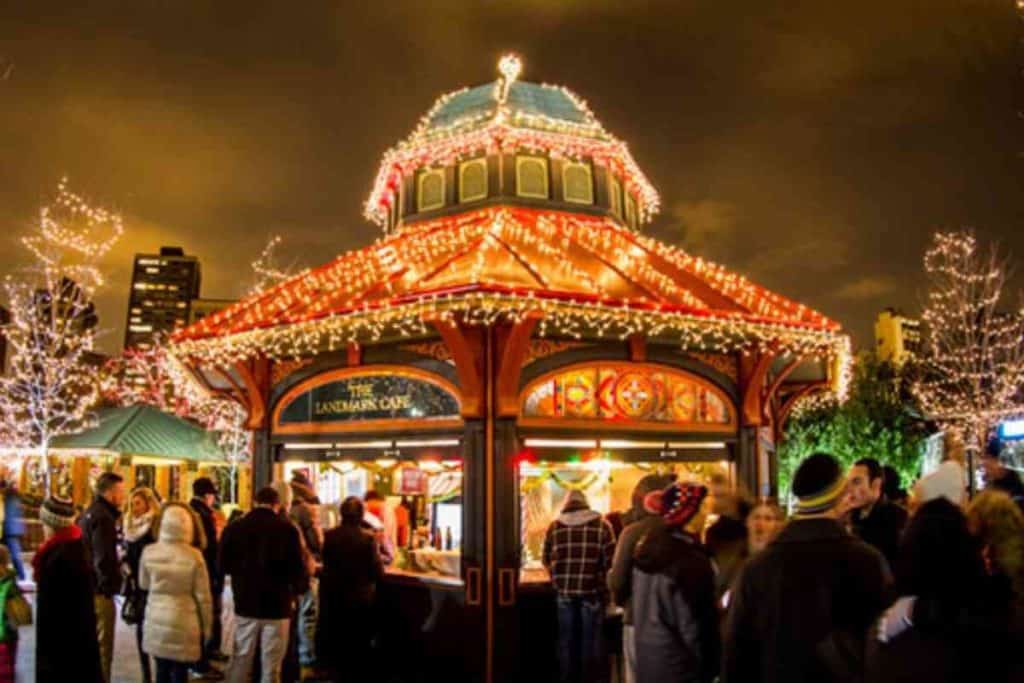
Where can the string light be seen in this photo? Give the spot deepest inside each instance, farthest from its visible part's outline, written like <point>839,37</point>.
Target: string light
<point>498,127</point>
<point>52,383</point>
<point>973,361</point>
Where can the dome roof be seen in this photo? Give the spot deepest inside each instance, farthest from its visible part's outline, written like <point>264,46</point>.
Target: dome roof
<point>524,102</point>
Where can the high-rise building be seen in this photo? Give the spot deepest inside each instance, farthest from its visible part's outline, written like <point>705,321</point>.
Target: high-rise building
<point>163,287</point>
<point>897,337</point>
<point>201,308</point>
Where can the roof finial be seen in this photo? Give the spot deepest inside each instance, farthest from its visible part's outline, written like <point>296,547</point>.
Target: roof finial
<point>509,66</point>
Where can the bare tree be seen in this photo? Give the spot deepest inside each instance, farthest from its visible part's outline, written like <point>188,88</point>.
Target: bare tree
<point>973,357</point>
<point>53,382</point>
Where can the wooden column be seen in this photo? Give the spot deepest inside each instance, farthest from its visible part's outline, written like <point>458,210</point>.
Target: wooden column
<point>163,481</point>
<point>80,492</point>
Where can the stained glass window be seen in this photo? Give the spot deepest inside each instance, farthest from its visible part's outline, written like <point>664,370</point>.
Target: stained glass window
<point>431,190</point>
<point>472,180</point>
<point>577,184</point>
<point>532,177</point>
<point>634,393</point>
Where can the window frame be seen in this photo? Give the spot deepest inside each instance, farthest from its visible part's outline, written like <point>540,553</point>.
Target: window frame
<point>423,175</point>
<point>568,166</point>
<point>615,196</point>
<point>632,215</point>
<point>523,159</point>
<point>463,166</point>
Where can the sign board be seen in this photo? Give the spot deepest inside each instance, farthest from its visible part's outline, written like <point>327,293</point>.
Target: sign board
<point>411,482</point>
<point>371,397</point>
<point>1012,430</point>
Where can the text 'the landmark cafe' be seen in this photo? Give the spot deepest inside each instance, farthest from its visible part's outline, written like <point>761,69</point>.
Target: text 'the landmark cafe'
<point>512,337</point>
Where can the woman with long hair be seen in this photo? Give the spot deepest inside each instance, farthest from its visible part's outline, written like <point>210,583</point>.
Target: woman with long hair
<point>143,507</point>
<point>946,615</point>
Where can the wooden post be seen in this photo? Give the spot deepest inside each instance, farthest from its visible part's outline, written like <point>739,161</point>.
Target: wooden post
<point>163,481</point>
<point>80,492</point>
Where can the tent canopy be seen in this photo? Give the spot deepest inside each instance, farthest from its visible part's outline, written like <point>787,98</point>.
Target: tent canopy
<point>143,430</point>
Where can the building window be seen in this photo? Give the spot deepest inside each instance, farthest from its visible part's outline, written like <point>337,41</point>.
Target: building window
<point>430,190</point>
<point>614,195</point>
<point>532,177</point>
<point>472,180</point>
<point>630,211</point>
<point>577,183</point>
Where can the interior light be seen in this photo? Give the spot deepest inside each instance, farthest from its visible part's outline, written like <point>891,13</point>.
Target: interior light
<point>386,462</point>
<point>698,445</point>
<point>426,443</point>
<point>360,445</point>
<point>305,446</point>
<point>560,443</point>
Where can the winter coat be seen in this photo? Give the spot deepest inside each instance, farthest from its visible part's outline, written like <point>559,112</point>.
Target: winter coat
<point>881,528</point>
<point>135,541</point>
<point>210,552</point>
<point>620,578</point>
<point>66,645</point>
<point>578,551</point>
<point>674,614</point>
<point>179,609</point>
<point>802,604</point>
<point>949,642</point>
<point>301,515</point>
<point>352,568</point>
<point>14,521</point>
<point>262,553</point>
<point>99,530</point>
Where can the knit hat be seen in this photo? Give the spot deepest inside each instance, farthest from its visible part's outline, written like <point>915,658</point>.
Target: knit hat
<point>818,484</point>
<point>57,513</point>
<point>677,504</point>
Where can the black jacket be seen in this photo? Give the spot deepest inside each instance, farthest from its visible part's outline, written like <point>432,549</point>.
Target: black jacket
<point>66,645</point>
<point>882,528</point>
<point>805,601</point>
<point>99,531</point>
<point>352,568</point>
<point>674,614</point>
<point>262,554</point>
<point>210,553</point>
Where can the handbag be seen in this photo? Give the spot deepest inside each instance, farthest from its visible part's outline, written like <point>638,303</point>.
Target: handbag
<point>17,610</point>
<point>134,606</point>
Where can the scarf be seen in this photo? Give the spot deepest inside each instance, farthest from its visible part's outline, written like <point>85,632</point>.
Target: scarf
<point>65,535</point>
<point>137,527</point>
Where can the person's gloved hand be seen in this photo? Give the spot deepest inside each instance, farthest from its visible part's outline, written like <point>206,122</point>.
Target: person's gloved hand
<point>896,619</point>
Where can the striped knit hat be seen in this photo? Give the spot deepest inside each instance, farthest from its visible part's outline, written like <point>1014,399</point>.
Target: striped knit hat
<point>57,513</point>
<point>818,484</point>
<point>677,504</point>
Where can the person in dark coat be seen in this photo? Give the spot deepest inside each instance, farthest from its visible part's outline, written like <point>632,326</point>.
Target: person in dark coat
<point>14,526</point>
<point>66,644</point>
<point>263,554</point>
<point>99,524</point>
<point>204,497</point>
<point>998,476</point>
<point>802,606</point>
<point>874,519</point>
<point>940,564</point>
<point>674,612</point>
<point>620,577</point>
<point>348,586</point>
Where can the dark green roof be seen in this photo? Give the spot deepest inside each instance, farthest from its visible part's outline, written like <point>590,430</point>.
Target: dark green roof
<point>145,430</point>
<point>529,98</point>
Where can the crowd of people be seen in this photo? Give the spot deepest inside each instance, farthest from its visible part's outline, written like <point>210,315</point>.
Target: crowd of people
<point>863,583</point>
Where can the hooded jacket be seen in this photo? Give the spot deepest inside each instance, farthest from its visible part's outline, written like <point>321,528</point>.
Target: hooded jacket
<point>179,611</point>
<point>677,636</point>
<point>578,551</point>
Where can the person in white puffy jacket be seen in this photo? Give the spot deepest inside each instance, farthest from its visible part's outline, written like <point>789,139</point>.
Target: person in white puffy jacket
<point>179,612</point>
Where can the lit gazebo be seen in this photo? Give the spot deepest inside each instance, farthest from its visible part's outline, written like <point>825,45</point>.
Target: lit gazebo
<point>512,335</point>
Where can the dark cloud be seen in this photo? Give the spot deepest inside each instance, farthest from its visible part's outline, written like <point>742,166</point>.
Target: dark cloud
<point>813,146</point>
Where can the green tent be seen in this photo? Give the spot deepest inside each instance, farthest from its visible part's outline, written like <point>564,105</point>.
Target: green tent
<point>143,431</point>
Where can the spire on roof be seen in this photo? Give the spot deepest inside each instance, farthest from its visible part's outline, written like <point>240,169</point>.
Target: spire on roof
<point>510,67</point>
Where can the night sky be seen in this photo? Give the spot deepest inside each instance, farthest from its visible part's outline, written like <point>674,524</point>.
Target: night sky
<point>813,146</point>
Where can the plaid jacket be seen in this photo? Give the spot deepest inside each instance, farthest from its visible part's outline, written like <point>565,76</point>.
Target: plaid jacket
<point>578,551</point>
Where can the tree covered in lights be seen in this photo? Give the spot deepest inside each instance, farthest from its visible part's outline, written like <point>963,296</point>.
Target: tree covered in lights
<point>52,380</point>
<point>158,379</point>
<point>879,419</point>
<point>972,367</point>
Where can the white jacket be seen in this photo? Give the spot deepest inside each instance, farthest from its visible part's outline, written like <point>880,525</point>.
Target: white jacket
<point>179,611</point>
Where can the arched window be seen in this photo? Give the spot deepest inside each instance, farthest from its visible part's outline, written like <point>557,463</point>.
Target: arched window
<point>614,195</point>
<point>631,215</point>
<point>472,180</point>
<point>532,177</point>
<point>577,184</point>
<point>430,190</point>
